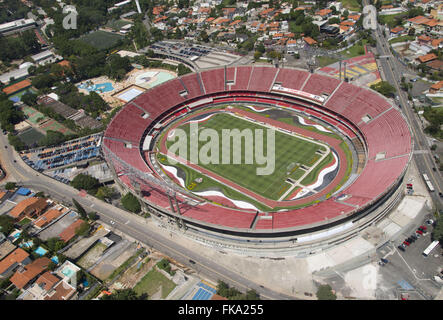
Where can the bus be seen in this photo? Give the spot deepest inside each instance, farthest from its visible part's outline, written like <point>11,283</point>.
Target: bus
<point>430,248</point>
<point>428,182</point>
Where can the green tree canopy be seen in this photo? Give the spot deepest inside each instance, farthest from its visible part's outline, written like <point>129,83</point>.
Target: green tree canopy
<point>131,203</point>
<point>324,292</point>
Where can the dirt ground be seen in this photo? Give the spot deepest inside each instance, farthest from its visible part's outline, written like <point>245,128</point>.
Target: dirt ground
<point>132,276</point>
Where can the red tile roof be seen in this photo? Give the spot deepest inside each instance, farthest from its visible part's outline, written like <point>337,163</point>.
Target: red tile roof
<point>47,218</point>
<point>32,270</point>
<point>17,87</point>
<point>47,280</point>
<point>16,256</point>
<point>69,232</point>
<point>427,57</point>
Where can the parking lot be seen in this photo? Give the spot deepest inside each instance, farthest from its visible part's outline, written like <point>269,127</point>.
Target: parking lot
<point>407,269</point>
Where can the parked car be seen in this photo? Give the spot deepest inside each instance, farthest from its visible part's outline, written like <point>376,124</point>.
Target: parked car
<point>419,232</point>
<point>406,243</point>
<point>424,228</point>
<point>401,247</point>
<point>384,260</point>
<point>429,222</point>
<point>410,240</point>
<point>413,236</point>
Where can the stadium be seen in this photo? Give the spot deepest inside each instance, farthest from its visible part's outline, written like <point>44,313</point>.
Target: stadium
<point>341,154</point>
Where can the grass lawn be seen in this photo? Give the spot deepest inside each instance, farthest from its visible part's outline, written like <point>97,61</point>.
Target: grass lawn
<point>152,282</point>
<point>402,39</point>
<point>390,19</point>
<point>289,150</point>
<point>101,40</point>
<point>208,183</point>
<point>351,5</point>
<point>356,50</point>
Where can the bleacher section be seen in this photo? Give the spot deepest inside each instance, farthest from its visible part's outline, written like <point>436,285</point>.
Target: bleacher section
<point>319,85</point>
<point>128,125</point>
<point>291,78</point>
<point>242,78</point>
<point>214,80</point>
<point>129,155</point>
<point>192,86</point>
<point>387,136</point>
<point>262,78</point>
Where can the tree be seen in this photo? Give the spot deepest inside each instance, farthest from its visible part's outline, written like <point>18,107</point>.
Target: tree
<point>6,224</point>
<point>383,87</point>
<point>80,208</point>
<point>437,233</point>
<point>125,294</point>
<point>10,186</point>
<point>83,229</point>
<point>86,182</point>
<point>105,193</point>
<point>131,203</point>
<point>324,292</point>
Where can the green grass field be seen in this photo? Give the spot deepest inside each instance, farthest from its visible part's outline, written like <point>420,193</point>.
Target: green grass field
<point>152,282</point>
<point>289,151</point>
<point>102,40</point>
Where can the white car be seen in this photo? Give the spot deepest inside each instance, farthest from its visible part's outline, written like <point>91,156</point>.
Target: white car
<point>429,222</point>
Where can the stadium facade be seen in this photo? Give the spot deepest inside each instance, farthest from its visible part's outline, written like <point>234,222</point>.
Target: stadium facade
<point>377,131</point>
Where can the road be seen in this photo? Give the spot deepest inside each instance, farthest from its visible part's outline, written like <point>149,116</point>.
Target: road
<point>132,225</point>
<point>393,71</point>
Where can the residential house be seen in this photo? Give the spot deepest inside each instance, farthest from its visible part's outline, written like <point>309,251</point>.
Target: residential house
<point>12,261</point>
<point>323,14</point>
<point>436,87</point>
<point>47,218</point>
<point>69,232</point>
<point>30,207</point>
<point>397,31</point>
<point>427,57</point>
<point>26,274</point>
<point>309,41</point>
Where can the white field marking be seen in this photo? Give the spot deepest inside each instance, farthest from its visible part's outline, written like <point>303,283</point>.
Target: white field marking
<point>183,162</point>
<point>257,110</point>
<point>238,203</point>
<point>317,126</point>
<point>173,171</point>
<point>319,181</point>
<point>328,150</point>
<point>298,182</point>
<point>292,134</point>
<point>200,120</point>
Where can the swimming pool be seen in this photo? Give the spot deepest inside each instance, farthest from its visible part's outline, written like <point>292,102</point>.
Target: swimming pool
<point>54,259</point>
<point>40,251</point>
<point>98,87</point>
<point>68,272</point>
<point>28,244</point>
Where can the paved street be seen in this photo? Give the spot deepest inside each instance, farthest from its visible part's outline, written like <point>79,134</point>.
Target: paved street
<point>140,229</point>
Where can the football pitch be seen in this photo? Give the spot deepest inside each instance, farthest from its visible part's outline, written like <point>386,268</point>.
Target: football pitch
<point>294,157</point>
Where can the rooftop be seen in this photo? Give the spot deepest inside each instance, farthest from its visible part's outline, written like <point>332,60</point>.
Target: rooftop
<point>17,256</point>
<point>21,279</point>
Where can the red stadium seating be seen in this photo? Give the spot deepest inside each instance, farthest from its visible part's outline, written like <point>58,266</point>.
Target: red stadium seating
<point>319,85</point>
<point>192,85</point>
<point>128,125</point>
<point>214,80</point>
<point>375,179</point>
<point>131,156</point>
<point>387,132</point>
<point>291,78</point>
<point>262,78</point>
<point>243,74</point>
